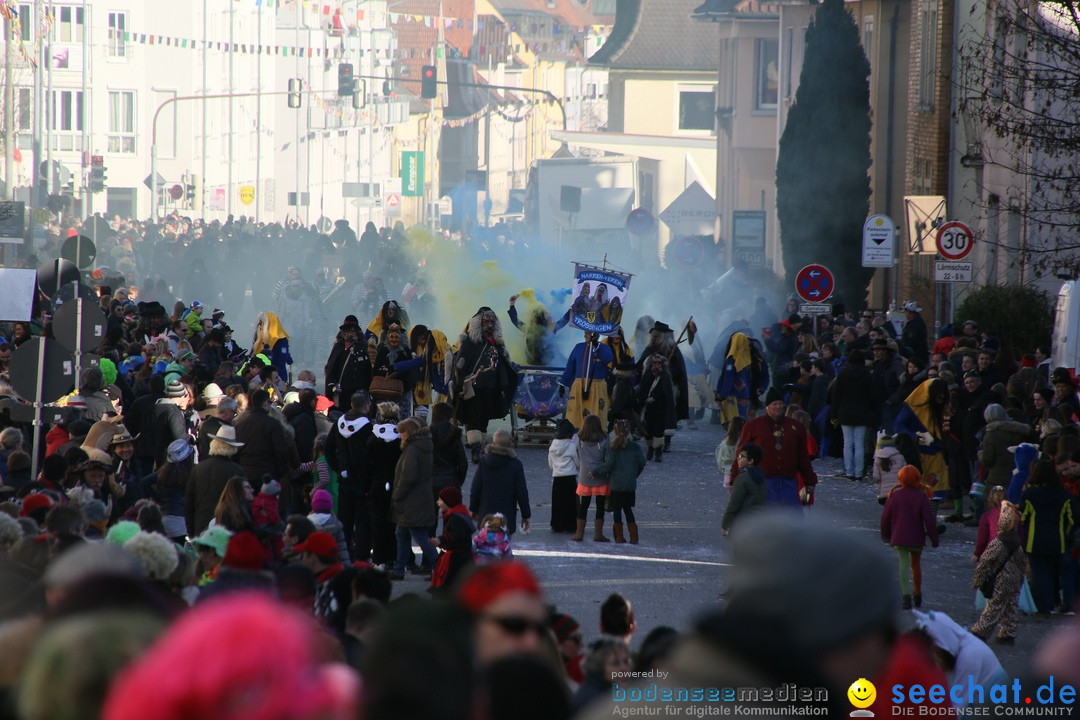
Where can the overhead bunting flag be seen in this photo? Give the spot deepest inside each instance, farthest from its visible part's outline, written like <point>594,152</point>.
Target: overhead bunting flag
<point>599,298</point>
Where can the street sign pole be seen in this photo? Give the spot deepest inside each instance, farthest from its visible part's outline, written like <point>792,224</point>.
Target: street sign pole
<point>38,400</point>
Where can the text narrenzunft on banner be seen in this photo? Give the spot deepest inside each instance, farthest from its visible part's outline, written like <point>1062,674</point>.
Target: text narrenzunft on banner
<point>599,298</point>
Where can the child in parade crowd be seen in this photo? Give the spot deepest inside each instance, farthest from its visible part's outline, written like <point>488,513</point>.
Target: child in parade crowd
<point>725,451</point>
<point>906,522</point>
<point>491,543</point>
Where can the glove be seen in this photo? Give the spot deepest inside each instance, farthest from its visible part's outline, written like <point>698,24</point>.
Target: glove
<point>925,438</point>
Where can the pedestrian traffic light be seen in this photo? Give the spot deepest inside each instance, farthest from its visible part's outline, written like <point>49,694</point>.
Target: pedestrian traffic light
<point>97,173</point>
<point>428,82</point>
<point>296,99</point>
<point>346,84</point>
<point>193,192</point>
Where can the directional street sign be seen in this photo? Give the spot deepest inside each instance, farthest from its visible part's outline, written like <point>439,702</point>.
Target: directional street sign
<point>955,240</point>
<point>814,283</point>
<point>879,235</point>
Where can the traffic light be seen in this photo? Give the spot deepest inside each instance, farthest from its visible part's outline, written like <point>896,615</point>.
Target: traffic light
<point>296,98</point>
<point>346,83</point>
<point>428,82</point>
<point>97,173</point>
<point>193,192</point>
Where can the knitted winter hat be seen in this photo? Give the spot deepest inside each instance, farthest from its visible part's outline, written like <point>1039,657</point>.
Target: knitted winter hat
<point>563,626</point>
<point>322,501</point>
<point>773,395</point>
<point>244,552</point>
<point>491,582</point>
<point>270,486</point>
<point>909,476</point>
<point>450,495</point>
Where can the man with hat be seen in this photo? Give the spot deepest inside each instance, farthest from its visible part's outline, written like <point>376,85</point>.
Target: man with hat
<point>333,581</point>
<point>211,355</point>
<point>170,417</point>
<point>221,410</point>
<point>568,635</point>
<point>348,368</point>
<point>1065,399</point>
<point>508,606</point>
<point>211,545</point>
<point>128,470</point>
<point>885,372</point>
<point>209,477</point>
<point>786,458</point>
<point>484,378</point>
<point>914,337</point>
<point>662,341</point>
<point>93,482</point>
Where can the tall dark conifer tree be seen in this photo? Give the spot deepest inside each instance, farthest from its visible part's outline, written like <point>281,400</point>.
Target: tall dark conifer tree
<point>822,170</point>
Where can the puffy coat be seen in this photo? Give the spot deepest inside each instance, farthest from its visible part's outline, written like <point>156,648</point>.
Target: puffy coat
<point>562,456</point>
<point>998,437</point>
<point>266,448</point>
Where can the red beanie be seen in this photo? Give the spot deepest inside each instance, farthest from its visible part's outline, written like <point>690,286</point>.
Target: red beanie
<point>491,582</point>
<point>244,552</point>
<point>35,501</point>
<point>450,495</point>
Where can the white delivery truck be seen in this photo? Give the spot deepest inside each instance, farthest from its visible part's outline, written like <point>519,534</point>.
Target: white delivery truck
<point>1065,351</point>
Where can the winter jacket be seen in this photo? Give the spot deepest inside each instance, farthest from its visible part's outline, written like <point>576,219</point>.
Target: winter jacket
<point>412,500</point>
<point>1025,454</point>
<point>907,519</point>
<point>886,479</point>
<point>328,523</point>
<point>563,456</point>
<point>302,420</point>
<point>589,456</point>
<point>449,466</point>
<point>204,488</point>
<point>748,493</point>
<point>499,487</point>
<point>168,424</point>
<point>988,529</point>
<point>194,323</point>
<point>995,456</point>
<point>266,449</point>
<point>853,396</point>
<point>1048,514</point>
<point>622,467</point>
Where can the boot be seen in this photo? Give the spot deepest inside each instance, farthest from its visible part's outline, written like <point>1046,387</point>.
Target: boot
<point>659,456</point>
<point>667,443</point>
<point>579,533</point>
<point>649,454</point>
<point>598,531</point>
<point>917,600</point>
<point>475,455</point>
<point>632,527</point>
<point>616,529</point>
<point>474,440</point>
<point>905,602</point>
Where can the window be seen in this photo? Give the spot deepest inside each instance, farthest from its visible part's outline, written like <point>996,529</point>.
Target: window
<point>697,110</point>
<point>121,121</point>
<point>26,22</point>
<point>766,73</point>
<point>117,26</point>
<point>68,27</point>
<point>26,104</point>
<point>66,111</point>
<point>928,57</point>
<point>868,37</point>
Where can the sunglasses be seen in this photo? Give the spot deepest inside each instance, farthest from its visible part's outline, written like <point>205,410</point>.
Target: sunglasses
<point>518,625</point>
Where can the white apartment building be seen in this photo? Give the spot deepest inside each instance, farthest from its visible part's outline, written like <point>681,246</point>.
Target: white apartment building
<point>113,65</point>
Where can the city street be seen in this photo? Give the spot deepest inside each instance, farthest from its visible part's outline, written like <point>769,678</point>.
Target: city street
<point>680,567</point>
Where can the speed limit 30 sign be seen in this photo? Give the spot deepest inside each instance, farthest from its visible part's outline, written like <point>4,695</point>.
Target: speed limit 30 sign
<point>955,240</point>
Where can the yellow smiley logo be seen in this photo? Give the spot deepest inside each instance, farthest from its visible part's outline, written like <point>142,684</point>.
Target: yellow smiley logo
<point>862,693</point>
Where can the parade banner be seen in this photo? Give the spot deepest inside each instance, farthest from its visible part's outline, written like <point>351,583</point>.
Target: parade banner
<point>599,298</point>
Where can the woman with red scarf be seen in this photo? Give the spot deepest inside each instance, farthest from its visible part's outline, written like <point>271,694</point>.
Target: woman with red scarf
<point>456,539</point>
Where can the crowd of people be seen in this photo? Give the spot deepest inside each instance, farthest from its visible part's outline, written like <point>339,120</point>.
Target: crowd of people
<point>195,485</point>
